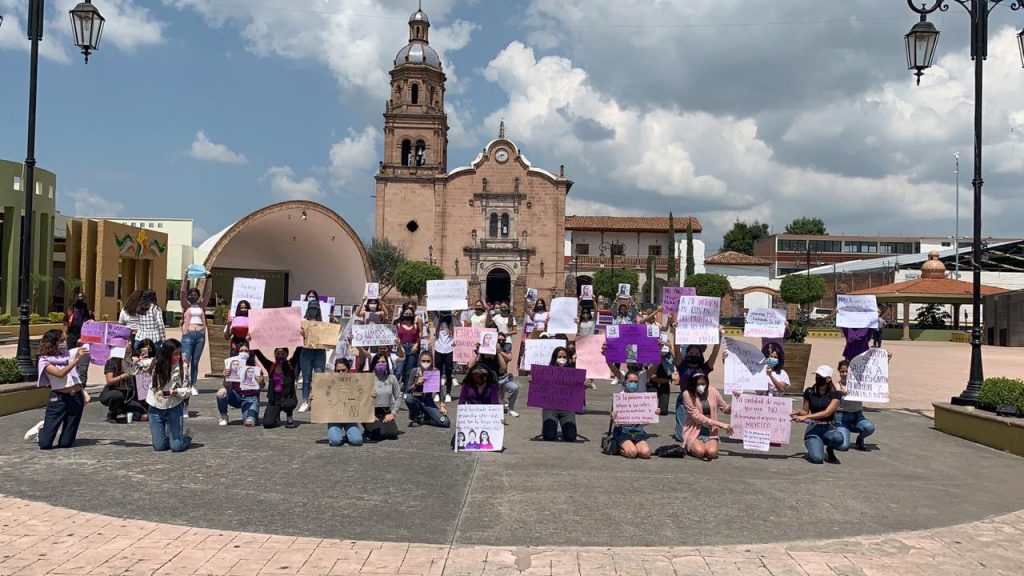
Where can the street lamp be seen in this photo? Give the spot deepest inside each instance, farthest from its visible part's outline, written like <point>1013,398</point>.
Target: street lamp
<point>921,42</point>
<point>88,28</point>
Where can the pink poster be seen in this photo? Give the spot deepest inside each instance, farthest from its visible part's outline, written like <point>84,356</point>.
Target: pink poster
<point>431,381</point>
<point>766,413</point>
<point>466,340</point>
<point>589,357</point>
<point>271,328</point>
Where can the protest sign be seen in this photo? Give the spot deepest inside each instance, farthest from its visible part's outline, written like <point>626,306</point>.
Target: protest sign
<point>697,320</point>
<point>563,316</point>
<point>670,297</point>
<point>759,440</point>
<point>106,333</point>
<point>478,428</point>
<point>431,381</point>
<point>466,340</point>
<point>531,294</point>
<point>765,413</point>
<point>271,328</point>
<point>447,295</point>
<point>856,311</point>
<point>118,352</point>
<point>118,335</point>
<point>234,367</point>
<point>654,331</point>
<point>557,388</point>
<point>249,375</point>
<point>346,312</point>
<point>488,341</point>
<point>99,354</point>
<point>765,323</point>
<point>341,350</point>
<point>373,291</point>
<point>342,397</point>
<point>143,382</point>
<point>249,289</point>
<point>623,291</point>
<point>587,292</point>
<point>868,379</point>
<point>320,334</point>
<point>539,352</point>
<point>589,357</point>
<point>635,408</point>
<point>744,367</point>
<point>631,343</point>
<point>365,335</point>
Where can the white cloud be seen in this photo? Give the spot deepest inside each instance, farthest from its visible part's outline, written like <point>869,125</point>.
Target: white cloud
<point>89,205</point>
<point>284,186</point>
<point>354,159</point>
<point>208,151</point>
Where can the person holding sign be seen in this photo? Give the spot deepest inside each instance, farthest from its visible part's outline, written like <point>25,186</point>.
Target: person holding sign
<point>166,399</point>
<point>119,394</point>
<point>537,315</point>
<point>586,323</point>
<point>503,320</point>
<point>237,329</point>
<point>373,311</point>
<point>820,404</point>
<point>702,402</point>
<point>442,342</point>
<point>850,416</point>
<point>408,329</point>
<point>311,359</point>
<point>626,313</point>
<point>388,395</point>
<point>422,409</point>
<point>774,360</point>
<point>552,420</point>
<point>244,395</point>
<point>193,324</point>
<point>58,369</point>
<point>281,396</point>
<point>686,364</point>
<point>338,432</point>
<point>631,438</point>
<point>665,376</point>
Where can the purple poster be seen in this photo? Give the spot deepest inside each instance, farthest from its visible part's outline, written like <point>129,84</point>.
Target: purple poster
<point>670,298</point>
<point>94,332</point>
<point>98,354</point>
<point>632,343</point>
<point>118,335</point>
<point>431,381</point>
<point>557,388</point>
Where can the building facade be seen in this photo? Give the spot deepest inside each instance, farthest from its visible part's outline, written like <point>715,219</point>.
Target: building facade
<point>498,222</point>
<point>180,253</point>
<point>44,212</point>
<point>797,252</point>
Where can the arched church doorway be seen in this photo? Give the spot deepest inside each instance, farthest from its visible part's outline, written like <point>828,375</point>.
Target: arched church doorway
<point>499,285</point>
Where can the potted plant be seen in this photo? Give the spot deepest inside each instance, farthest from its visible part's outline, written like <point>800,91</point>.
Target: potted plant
<point>801,290</point>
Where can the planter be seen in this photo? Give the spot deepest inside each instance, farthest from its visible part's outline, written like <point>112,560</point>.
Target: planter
<point>220,350</point>
<point>34,330</point>
<point>976,425</point>
<point>798,356</point>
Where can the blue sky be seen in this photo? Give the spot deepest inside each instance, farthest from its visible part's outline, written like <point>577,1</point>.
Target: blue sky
<point>211,109</point>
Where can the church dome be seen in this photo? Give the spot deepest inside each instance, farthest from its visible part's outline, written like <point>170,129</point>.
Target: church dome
<point>418,53</point>
<point>933,268</point>
<point>419,16</point>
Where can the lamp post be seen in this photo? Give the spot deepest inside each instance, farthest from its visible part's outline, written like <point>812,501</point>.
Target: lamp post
<point>87,25</point>
<point>956,231</point>
<point>921,42</point>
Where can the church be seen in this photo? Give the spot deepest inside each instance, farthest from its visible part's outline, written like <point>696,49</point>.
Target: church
<point>498,222</point>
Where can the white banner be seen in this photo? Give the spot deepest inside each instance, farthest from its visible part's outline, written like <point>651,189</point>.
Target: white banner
<point>364,335</point>
<point>251,290</point>
<point>447,295</point>
<point>478,428</point>
<point>744,367</point>
<point>563,316</point>
<point>765,323</point>
<point>539,352</point>
<point>856,311</point>
<point>868,380</point>
<point>697,320</point>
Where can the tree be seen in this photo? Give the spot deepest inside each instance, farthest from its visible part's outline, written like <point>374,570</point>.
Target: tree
<point>743,236</point>
<point>72,287</point>
<point>607,284</point>
<point>410,279</point>
<point>689,248</point>
<point>671,272</point>
<point>807,226</point>
<point>173,289</point>
<point>932,316</point>
<point>651,268</point>
<point>38,285</point>
<point>802,289</point>
<point>712,285</point>
<point>385,258</point>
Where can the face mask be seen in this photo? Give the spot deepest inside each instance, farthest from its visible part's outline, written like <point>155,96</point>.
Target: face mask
<point>773,362</point>
<point>243,312</point>
<point>425,365</point>
<point>281,358</point>
<point>62,348</point>
<point>562,361</point>
<point>192,300</point>
<point>372,307</point>
<point>540,308</point>
<point>504,311</point>
<point>479,310</point>
<point>381,369</point>
<point>407,318</point>
<point>632,386</point>
<point>701,389</point>
<point>665,351</point>
<point>243,356</point>
<point>693,360</point>
<point>444,331</point>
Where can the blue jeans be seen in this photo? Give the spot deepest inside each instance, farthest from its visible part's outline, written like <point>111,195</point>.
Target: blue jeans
<point>168,429</point>
<point>336,434</point>
<point>680,417</point>
<point>424,406</point>
<point>64,413</point>
<point>817,437</point>
<point>511,390</point>
<point>405,367</point>
<point>311,360</point>
<point>192,345</point>
<point>849,422</point>
<point>250,405</point>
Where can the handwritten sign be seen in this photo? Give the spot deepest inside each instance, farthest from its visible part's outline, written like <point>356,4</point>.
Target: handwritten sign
<point>249,289</point>
<point>557,388</point>
<point>868,380</point>
<point>478,428</point>
<point>234,367</point>
<point>744,367</point>
<point>766,413</point>
<point>466,339</point>
<point>623,291</point>
<point>563,316</point>
<point>765,323</point>
<point>99,354</point>
<point>539,352</point>
<point>633,344</point>
<point>271,328</point>
<point>759,440</point>
<point>587,292</point>
<point>635,408</point>
<point>106,333</point>
<point>856,311</point>
<point>697,320</point>
<point>589,357</point>
<point>320,334</point>
<point>342,398</point>
<point>447,295</point>
<point>670,297</point>
<point>431,381</point>
<point>346,312</point>
<point>373,291</point>
<point>488,341</point>
<point>364,335</point>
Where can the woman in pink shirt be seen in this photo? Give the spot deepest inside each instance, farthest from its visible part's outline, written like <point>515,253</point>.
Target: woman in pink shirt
<point>702,403</point>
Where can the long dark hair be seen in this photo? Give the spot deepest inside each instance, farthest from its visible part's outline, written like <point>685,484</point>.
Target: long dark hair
<point>238,308</point>
<point>149,345</point>
<point>377,358</point>
<point>163,366</point>
<point>49,344</point>
<point>554,356</point>
<point>133,303</point>
<point>80,310</point>
<point>691,382</point>
<point>830,386</point>
<point>768,348</point>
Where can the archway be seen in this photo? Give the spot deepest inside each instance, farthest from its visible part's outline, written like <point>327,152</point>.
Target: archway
<point>499,285</point>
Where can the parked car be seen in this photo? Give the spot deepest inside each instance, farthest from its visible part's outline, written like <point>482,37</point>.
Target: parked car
<point>820,313</point>
<point>734,321</point>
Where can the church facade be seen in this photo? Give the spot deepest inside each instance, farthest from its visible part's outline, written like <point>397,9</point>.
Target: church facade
<point>498,222</point>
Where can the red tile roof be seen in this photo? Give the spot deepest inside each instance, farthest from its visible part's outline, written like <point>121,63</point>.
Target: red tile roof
<point>652,224</point>
<point>932,286</point>
<point>729,258</point>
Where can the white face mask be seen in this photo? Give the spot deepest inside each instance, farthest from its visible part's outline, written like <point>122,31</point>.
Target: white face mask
<point>425,365</point>
<point>372,307</point>
<point>243,356</point>
<point>665,350</point>
<point>701,389</point>
<point>562,361</point>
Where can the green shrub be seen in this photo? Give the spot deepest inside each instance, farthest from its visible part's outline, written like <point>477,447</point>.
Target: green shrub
<point>9,372</point>
<point>998,391</point>
<point>797,333</point>
<point>35,319</point>
<point>5,319</point>
<point>220,315</point>
<point>801,289</point>
<point>710,285</point>
<point>56,318</point>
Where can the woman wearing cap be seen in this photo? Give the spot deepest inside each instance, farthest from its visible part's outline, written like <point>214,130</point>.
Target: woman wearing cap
<point>631,438</point>
<point>702,403</point>
<point>820,404</point>
<point>688,362</point>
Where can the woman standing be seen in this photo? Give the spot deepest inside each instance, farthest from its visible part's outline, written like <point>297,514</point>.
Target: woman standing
<point>151,319</point>
<point>311,359</point>
<point>244,395</point>
<point>237,329</point>
<point>281,396</point>
<point>443,344</point>
<point>67,395</point>
<point>631,438</point>
<point>388,395</point>
<point>193,325</point>
<point>665,375</point>
<point>131,315</point>
<point>422,409</point>
<point>166,400</point>
<point>820,404</point>
<point>702,403</point>
<point>408,329</point>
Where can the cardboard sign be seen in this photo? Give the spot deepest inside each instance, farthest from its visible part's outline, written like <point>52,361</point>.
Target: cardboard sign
<point>106,333</point>
<point>271,328</point>
<point>670,297</point>
<point>557,388</point>
<point>249,289</point>
<point>759,440</point>
<point>631,343</point>
<point>868,380</point>
<point>365,335</point>
<point>563,316</point>
<point>447,295</point>
<point>466,340</point>
<point>744,367</point>
<point>590,358</point>
<point>697,320</point>
<point>320,334</point>
<point>856,311</point>
<point>635,408</point>
<point>623,291</point>
<point>342,398</point>
<point>766,413</point>
<point>765,323</point>
<point>587,292</point>
<point>432,381</point>
<point>234,367</point>
<point>373,291</point>
<point>478,428</point>
<point>539,352</point>
<point>248,382</point>
<point>488,341</point>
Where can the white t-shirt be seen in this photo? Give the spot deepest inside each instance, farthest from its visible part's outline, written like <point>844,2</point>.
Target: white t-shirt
<point>503,322</point>
<point>587,328</point>
<point>540,321</point>
<point>444,343</point>
<point>781,376</point>
<point>478,320</point>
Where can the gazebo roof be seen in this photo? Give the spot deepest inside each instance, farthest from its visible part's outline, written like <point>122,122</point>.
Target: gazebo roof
<point>927,290</point>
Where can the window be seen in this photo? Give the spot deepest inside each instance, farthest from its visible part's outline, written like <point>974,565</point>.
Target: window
<point>896,248</point>
<point>654,250</point>
<point>151,225</point>
<point>792,245</point>
<point>947,244</point>
<point>504,225</point>
<point>618,249</point>
<point>159,224</point>
<point>51,190</point>
<point>583,249</point>
<point>493,230</point>
<point>39,188</point>
<point>406,152</point>
<point>861,247</point>
<point>415,93</point>
<point>485,184</point>
<point>420,153</point>
<point>516,188</point>
<point>17,183</point>
<point>412,226</point>
<point>826,245</point>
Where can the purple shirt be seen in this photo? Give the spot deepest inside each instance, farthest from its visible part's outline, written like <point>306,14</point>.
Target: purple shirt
<point>858,340</point>
<point>469,394</point>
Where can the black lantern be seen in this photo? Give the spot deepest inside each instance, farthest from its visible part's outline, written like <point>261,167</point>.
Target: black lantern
<point>921,42</point>
<point>87,24</point>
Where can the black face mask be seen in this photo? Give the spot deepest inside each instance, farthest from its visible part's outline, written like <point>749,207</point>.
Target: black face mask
<point>693,360</point>
<point>243,312</point>
<point>407,319</point>
<point>479,310</point>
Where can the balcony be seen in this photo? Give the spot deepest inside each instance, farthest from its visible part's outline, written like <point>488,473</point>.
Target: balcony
<point>634,262</point>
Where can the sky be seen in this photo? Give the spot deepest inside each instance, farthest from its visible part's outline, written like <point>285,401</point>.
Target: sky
<point>725,110</point>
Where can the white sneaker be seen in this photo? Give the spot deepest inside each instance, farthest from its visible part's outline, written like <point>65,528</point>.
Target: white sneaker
<point>513,413</point>
<point>185,415</point>
<point>304,407</point>
<point>437,398</point>
<point>455,382</point>
<point>223,421</point>
<point>33,432</point>
<point>447,398</point>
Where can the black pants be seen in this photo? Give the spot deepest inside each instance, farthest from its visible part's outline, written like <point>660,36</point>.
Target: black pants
<point>664,392</point>
<point>379,430</point>
<point>876,336</point>
<point>117,403</point>
<point>64,412</point>
<point>272,413</point>
<point>445,364</point>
